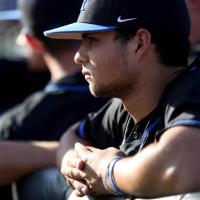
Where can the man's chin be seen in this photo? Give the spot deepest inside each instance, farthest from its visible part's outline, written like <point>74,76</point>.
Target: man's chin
<point>99,93</point>
<point>93,93</point>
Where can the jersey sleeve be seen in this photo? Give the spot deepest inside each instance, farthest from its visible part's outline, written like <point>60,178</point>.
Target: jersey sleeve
<point>183,104</point>
<point>106,127</point>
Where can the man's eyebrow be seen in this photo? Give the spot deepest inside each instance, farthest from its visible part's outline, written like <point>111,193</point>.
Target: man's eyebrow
<point>84,35</point>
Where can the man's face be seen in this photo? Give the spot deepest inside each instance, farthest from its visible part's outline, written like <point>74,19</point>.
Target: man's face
<point>105,64</point>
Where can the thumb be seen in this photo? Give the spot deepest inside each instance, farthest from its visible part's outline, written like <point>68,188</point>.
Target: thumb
<point>82,151</point>
<point>80,147</point>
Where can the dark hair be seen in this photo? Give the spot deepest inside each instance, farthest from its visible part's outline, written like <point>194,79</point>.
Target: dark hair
<point>172,47</point>
<point>41,15</point>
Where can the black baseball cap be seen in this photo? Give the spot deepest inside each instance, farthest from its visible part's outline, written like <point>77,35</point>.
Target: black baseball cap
<point>105,15</point>
<point>40,15</point>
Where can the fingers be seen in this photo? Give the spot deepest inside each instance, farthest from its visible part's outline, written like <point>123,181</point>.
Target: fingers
<point>73,160</point>
<point>79,147</point>
<point>80,187</point>
<point>70,183</point>
<point>83,152</point>
<point>76,162</point>
<point>73,173</point>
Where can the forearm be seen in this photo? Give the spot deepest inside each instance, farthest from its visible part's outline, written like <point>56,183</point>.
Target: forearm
<point>21,158</point>
<point>163,168</point>
<point>67,143</point>
<point>143,176</point>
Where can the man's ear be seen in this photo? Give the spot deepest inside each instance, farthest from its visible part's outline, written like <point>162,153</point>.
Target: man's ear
<point>143,42</point>
<point>34,43</point>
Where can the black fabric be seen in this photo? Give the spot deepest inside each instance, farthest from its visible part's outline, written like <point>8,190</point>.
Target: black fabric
<point>172,14</point>
<point>17,82</point>
<point>105,127</point>
<point>195,53</point>
<point>169,17</point>
<point>6,192</point>
<point>180,105</point>
<point>46,115</point>
<point>47,14</point>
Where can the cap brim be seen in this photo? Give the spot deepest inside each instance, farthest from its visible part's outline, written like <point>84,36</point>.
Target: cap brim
<point>75,30</point>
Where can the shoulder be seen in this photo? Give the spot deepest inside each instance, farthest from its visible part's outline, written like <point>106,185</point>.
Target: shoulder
<point>186,85</point>
<point>113,110</point>
<point>182,99</point>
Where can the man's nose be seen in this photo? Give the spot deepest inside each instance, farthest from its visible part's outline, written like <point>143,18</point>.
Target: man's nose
<point>80,58</point>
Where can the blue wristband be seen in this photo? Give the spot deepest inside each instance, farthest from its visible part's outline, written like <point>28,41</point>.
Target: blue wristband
<point>103,177</point>
<point>111,178</point>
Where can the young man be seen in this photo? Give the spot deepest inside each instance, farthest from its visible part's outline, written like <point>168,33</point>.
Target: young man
<point>136,50</point>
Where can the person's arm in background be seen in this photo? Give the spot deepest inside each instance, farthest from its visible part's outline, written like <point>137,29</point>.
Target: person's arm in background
<point>67,142</point>
<point>21,158</point>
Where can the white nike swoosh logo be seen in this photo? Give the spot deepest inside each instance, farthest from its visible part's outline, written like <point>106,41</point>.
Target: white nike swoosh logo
<point>120,20</point>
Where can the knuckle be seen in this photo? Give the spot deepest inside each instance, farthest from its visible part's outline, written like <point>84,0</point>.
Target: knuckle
<point>70,183</point>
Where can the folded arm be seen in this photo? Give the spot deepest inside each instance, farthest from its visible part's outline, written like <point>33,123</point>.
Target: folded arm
<point>164,168</point>
<point>167,167</point>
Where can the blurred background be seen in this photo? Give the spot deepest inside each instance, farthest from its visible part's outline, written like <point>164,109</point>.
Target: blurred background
<point>21,71</point>
<point>9,30</point>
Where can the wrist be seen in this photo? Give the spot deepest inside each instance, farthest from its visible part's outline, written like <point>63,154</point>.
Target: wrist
<point>108,178</point>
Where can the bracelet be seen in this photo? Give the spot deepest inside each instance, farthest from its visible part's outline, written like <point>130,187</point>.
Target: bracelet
<point>111,165</point>
<point>105,174</point>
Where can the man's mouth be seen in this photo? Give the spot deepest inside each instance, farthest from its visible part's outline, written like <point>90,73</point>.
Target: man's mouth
<point>86,74</point>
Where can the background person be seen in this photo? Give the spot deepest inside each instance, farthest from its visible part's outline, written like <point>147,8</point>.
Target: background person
<point>20,74</point>
<point>45,114</point>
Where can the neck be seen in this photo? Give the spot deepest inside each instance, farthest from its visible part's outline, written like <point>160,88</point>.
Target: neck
<point>141,104</point>
<point>61,66</point>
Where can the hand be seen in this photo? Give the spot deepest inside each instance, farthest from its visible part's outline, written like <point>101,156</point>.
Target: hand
<point>71,166</point>
<point>94,161</point>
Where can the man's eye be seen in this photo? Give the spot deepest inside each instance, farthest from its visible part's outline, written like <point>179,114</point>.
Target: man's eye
<point>91,39</point>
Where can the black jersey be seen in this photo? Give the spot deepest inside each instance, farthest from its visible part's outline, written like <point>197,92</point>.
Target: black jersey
<point>179,106</point>
<point>46,114</point>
